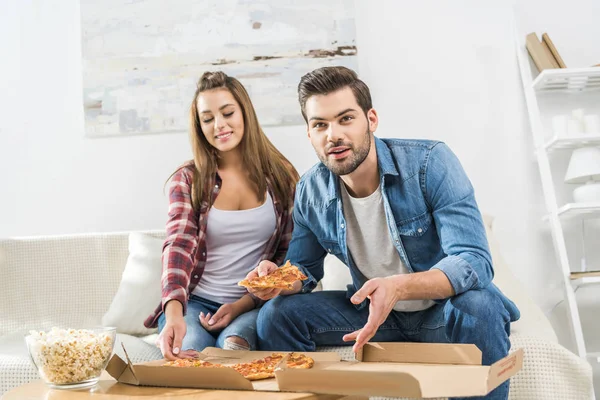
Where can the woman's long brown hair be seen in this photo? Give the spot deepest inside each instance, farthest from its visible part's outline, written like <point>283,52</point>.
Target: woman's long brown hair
<point>259,157</point>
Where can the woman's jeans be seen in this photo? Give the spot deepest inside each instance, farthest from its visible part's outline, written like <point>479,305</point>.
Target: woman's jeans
<point>197,338</point>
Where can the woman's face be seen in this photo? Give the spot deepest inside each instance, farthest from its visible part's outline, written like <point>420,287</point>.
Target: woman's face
<point>221,119</point>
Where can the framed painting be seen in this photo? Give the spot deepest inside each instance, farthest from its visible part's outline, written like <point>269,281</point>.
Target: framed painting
<point>142,58</point>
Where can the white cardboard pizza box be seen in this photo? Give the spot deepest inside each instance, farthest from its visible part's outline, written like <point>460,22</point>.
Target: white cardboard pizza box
<point>154,373</point>
<point>420,370</point>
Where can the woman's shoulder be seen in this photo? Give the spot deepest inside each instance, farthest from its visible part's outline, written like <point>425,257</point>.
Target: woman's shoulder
<point>185,172</point>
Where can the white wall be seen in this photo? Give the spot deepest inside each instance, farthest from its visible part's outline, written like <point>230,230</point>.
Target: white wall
<point>573,27</point>
<point>53,179</point>
<point>440,70</point>
<point>448,71</point>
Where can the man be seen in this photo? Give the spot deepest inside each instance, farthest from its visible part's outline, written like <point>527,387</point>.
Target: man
<point>402,215</point>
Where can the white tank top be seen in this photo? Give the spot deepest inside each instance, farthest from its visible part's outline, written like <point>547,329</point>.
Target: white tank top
<point>235,242</point>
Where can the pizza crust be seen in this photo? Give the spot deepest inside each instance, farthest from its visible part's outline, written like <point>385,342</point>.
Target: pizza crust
<point>191,362</point>
<point>256,376</point>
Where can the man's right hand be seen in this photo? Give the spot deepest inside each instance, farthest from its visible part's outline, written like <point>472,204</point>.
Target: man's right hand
<point>264,268</point>
<point>172,335</point>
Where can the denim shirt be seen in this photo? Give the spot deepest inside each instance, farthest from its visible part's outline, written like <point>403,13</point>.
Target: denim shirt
<point>431,213</point>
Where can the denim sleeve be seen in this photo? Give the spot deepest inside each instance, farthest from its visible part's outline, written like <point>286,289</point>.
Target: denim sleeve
<point>304,250</point>
<point>449,193</point>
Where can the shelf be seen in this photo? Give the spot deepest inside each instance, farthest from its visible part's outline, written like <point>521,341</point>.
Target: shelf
<point>577,275</point>
<point>595,355</point>
<point>585,278</point>
<point>568,80</point>
<point>573,210</point>
<point>573,142</point>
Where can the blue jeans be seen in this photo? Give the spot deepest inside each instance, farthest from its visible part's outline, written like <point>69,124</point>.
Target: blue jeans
<point>198,338</point>
<point>303,322</point>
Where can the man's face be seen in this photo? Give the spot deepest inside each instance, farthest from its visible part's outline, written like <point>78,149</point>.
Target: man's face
<point>339,130</point>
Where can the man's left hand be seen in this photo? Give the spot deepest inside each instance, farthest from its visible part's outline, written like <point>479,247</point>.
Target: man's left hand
<point>382,295</point>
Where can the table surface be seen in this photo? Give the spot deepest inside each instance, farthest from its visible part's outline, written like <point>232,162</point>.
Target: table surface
<point>110,389</point>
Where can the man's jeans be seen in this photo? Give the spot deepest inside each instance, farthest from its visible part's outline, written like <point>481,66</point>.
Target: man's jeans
<point>197,338</point>
<point>302,322</point>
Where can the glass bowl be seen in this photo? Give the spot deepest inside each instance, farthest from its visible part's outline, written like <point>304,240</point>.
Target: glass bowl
<point>71,358</point>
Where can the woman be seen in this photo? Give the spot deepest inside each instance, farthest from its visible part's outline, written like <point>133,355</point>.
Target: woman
<point>230,208</point>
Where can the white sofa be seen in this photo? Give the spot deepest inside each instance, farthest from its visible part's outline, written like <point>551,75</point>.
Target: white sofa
<point>85,280</point>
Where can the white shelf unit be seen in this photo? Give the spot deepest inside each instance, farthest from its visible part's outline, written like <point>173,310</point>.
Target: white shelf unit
<point>595,356</point>
<point>574,210</point>
<point>577,210</point>
<point>567,80</point>
<point>573,142</point>
<point>561,82</point>
<point>585,281</point>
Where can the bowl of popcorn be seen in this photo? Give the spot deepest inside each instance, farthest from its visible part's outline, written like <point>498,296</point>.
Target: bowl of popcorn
<point>71,358</point>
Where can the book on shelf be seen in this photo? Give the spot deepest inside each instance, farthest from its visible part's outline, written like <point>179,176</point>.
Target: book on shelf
<point>585,274</point>
<point>537,52</point>
<point>543,53</point>
<point>549,55</point>
<point>548,43</point>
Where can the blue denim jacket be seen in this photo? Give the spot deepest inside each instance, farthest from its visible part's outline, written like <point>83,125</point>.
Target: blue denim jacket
<point>432,216</point>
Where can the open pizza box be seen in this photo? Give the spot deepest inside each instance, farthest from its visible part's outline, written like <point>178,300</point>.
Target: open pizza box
<point>381,369</point>
<point>154,373</point>
<point>419,370</point>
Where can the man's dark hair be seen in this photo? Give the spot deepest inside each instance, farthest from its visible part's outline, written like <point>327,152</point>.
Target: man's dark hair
<point>326,80</point>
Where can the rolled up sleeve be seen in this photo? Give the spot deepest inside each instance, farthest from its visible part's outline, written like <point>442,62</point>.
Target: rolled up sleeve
<point>304,250</point>
<point>459,224</point>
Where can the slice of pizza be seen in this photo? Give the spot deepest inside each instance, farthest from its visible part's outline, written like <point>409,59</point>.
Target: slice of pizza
<point>282,278</point>
<point>298,360</point>
<point>191,362</point>
<point>255,370</point>
<point>264,368</point>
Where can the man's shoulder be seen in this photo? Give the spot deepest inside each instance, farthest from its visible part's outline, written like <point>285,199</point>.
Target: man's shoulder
<point>318,173</point>
<point>410,145</point>
<point>408,156</point>
<point>316,179</point>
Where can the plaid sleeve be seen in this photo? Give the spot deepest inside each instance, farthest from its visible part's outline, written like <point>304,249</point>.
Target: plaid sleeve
<point>181,241</point>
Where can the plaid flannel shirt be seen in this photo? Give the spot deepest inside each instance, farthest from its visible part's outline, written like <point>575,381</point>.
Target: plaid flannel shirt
<point>184,251</point>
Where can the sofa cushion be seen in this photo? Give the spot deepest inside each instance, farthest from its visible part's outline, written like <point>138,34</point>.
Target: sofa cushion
<point>138,350</point>
<point>62,280</point>
<point>139,291</point>
<point>336,274</point>
<point>533,322</point>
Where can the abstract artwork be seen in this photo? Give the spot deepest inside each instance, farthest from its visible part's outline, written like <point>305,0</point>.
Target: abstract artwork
<point>142,58</point>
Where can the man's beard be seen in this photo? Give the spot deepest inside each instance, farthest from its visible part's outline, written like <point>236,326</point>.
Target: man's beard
<point>350,163</point>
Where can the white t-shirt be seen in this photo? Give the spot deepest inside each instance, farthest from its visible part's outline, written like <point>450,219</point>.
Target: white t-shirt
<point>235,242</point>
<point>370,244</point>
